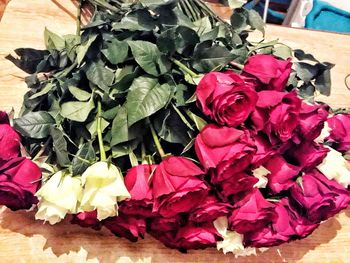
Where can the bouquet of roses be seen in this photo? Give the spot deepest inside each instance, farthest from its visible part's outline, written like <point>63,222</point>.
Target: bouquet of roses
<point>161,120</point>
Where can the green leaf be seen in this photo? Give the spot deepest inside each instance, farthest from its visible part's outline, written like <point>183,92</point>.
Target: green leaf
<point>301,55</point>
<point>71,44</point>
<point>146,96</point>
<point>116,51</point>
<point>77,110</point>
<point>238,21</point>
<point>282,51</point>
<point>92,127</point>
<point>323,82</point>
<point>256,21</point>
<point>84,47</point>
<point>99,75</point>
<point>60,146</point>
<point>200,123</point>
<point>124,148</point>
<point>83,159</point>
<point>53,41</point>
<point>138,20</point>
<point>79,94</point>
<point>35,124</point>
<point>148,56</point>
<point>42,92</point>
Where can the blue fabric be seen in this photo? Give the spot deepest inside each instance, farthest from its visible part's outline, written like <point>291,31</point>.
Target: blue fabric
<point>324,16</point>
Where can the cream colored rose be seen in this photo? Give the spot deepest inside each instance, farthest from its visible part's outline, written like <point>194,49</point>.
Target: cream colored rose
<point>103,188</point>
<point>58,196</point>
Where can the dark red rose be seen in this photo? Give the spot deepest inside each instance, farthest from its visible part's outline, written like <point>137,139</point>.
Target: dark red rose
<point>226,98</point>
<point>126,226</point>
<point>209,210</point>
<point>251,213</point>
<point>288,225</point>
<point>222,148</point>
<point>177,187</point>
<point>340,132</point>
<point>237,183</point>
<point>307,155</point>
<point>87,219</point>
<point>19,180</point>
<point>282,174</point>
<point>272,72</point>
<point>9,142</point>
<point>277,114</point>
<point>312,119</point>
<point>4,118</point>
<point>137,181</point>
<point>319,197</point>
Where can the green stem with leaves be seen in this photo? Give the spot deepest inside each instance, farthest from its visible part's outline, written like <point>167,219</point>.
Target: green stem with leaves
<point>157,142</point>
<point>185,68</point>
<point>99,132</point>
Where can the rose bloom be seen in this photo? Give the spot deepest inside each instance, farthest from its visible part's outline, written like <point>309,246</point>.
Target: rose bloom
<point>340,132</point>
<point>251,213</point>
<point>237,183</point>
<point>87,219</point>
<point>223,148</point>
<point>19,180</point>
<point>264,151</point>
<point>288,225</point>
<point>177,186</point>
<point>137,181</point>
<point>319,197</point>
<point>9,139</point>
<point>273,73</point>
<point>226,98</point>
<point>277,115</point>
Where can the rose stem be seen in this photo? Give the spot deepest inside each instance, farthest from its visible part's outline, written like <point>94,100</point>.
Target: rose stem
<point>157,142</point>
<point>184,68</point>
<point>237,65</point>
<point>99,132</point>
<point>78,17</point>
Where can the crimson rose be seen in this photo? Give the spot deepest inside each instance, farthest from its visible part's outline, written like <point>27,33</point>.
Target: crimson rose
<point>9,139</point>
<point>87,219</point>
<point>272,72</point>
<point>226,98</point>
<point>340,131</point>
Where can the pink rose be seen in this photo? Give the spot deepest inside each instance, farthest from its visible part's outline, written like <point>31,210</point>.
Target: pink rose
<point>9,140</point>
<point>209,210</point>
<point>222,148</point>
<point>273,73</point>
<point>137,181</point>
<point>318,197</point>
<point>282,174</point>
<point>264,150</point>
<point>288,225</point>
<point>19,180</point>
<point>126,226</point>
<point>340,132</point>
<point>87,219</point>
<point>177,186</point>
<point>226,98</point>
<point>251,213</point>
<point>237,183</point>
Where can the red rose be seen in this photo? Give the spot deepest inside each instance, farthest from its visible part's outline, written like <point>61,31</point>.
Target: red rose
<point>137,181</point>
<point>126,226</point>
<point>272,72</point>
<point>312,119</point>
<point>277,114</point>
<point>288,225</point>
<point>209,210</point>
<point>226,98</point>
<point>340,132</point>
<point>9,142</point>
<point>177,187</point>
<point>319,197</point>
<point>222,148</point>
<point>282,174</point>
<point>87,219</point>
<point>19,180</point>
<point>251,213</point>
<point>264,150</point>
<point>4,118</point>
<point>237,183</point>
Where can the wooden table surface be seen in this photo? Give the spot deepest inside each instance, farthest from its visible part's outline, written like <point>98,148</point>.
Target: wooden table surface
<point>22,239</point>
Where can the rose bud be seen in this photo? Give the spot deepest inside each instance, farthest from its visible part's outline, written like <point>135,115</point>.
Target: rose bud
<point>226,98</point>
<point>222,148</point>
<point>177,187</point>
<point>126,226</point>
<point>340,132</point>
<point>319,197</point>
<point>273,73</point>
<point>58,196</point>
<point>87,219</point>
<point>312,119</point>
<point>209,210</point>
<point>251,213</point>
<point>4,118</point>
<point>137,181</point>
<point>288,225</point>
<point>19,180</point>
<point>9,140</point>
<point>282,174</point>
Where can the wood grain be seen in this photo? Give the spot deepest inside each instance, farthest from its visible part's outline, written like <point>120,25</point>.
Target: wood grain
<point>22,239</point>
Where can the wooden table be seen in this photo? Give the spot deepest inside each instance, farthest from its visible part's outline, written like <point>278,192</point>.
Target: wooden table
<point>22,239</point>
